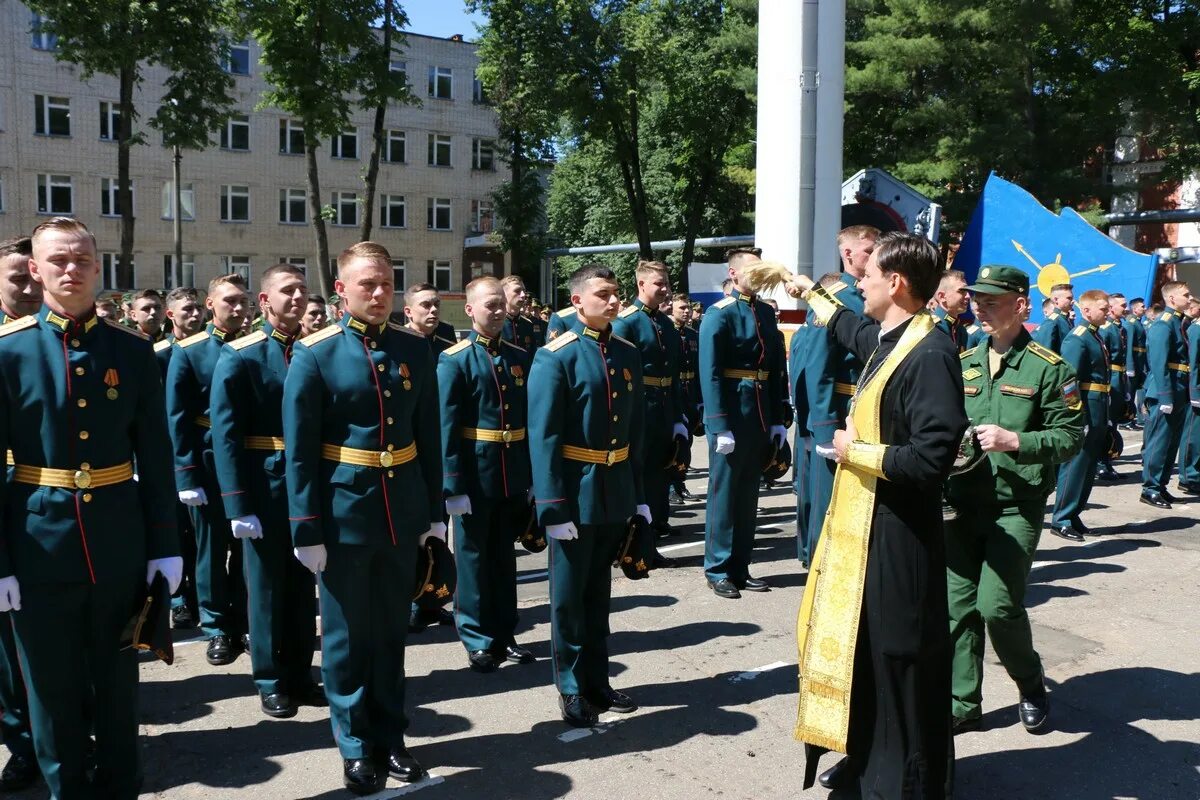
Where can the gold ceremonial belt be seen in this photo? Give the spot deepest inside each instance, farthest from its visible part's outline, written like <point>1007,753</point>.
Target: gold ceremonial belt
<point>1179,367</point>
<point>1102,388</point>
<point>73,478</point>
<point>844,388</point>
<point>658,383</point>
<point>263,442</point>
<point>605,457</point>
<point>1118,367</point>
<point>1139,349</point>
<point>487,435</point>
<point>745,374</point>
<point>368,458</point>
<point>203,422</point>
<point>687,376</point>
<point>11,462</point>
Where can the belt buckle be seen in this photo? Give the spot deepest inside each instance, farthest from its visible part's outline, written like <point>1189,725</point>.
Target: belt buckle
<point>506,436</point>
<point>83,479</point>
<point>610,458</point>
<point>385,458</point>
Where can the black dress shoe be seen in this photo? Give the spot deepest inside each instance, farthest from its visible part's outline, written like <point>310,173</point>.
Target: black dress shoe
<point>245,640</point>
<point>674,498</point>
<point>1154,499</point>
<point>443,616</point>
<point>659,561</point>
<point>360,775</point>
<point>1033,709</point>
<point>839,776</point>
<point>724,588</point>
<point>1066,532</point>
<point>309,694</point>
<point>965,725</point>
<point>755,585</point>
<point>662,530</point>
<point>1170,498</point>
<point>182,618</point>
<point>417,621</point>
<point>1190,488</point>
<point>19,773</point>
<point>1106,473</point>
<point>684,493</point>
<point>277,705</point>
<point>516,654</point>
<point>222,650</point>
<point>612,700</point>
<point>402,766</point>
<point>577,711</point>
<point>482,661</point>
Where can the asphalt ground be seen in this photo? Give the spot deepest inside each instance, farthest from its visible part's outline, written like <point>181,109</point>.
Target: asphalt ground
<point>1116,620</point>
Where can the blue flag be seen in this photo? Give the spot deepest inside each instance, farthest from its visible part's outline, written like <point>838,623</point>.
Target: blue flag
<point>1010,227</point>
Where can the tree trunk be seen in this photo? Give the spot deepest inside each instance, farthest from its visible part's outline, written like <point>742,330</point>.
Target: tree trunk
<point>377,129</point>
<point>125,276</point>
<point>695,213</point>
<point>323,273</point>
<point>517,177</point>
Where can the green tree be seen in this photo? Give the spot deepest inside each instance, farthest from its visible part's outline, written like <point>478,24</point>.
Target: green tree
<point>122,38</point>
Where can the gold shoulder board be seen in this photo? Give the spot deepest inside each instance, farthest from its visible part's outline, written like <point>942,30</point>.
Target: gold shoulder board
<point>325,333</point>
<point>1079,330</point>
<point>559,342</point>
<point>126,329</point>
<point>965,354</point>
<point>18,325</point>
<point>723,302</point>
<point>195,338</point>
<point>628,311</point>
<point>462,345</point>
<point>162,345</point>
<point>566,312</point>
<point>246,341</point>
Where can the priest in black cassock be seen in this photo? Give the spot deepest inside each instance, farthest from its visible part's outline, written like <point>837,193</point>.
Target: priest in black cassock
<point>873,629</point>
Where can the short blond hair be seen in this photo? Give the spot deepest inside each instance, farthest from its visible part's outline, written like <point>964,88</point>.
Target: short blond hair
<point>857,232</point>
<point>61,225</point>
<point>1093,296</point>
<point>647,268</point>
<point>484,282</point>
<point>369,250</point>
<point>233,279</point>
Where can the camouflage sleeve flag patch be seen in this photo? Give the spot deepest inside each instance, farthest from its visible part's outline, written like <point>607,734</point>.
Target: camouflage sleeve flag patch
<point>1070,395</point>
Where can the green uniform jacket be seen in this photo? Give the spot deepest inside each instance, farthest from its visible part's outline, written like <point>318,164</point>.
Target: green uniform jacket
<point>1084,352</point>
<point>1166,353</point>
<point>952,327</point>
<point>369,387</point>
<point>82,396</point>
<point>661,348</point>
<point>189,380</point>
<point>482,385</point>
<point>739,333</point>
<point>1035,394</point>
<point>524,332</point>
<point>1113,336</point>
<point>585,390</point>
<point>689,366</point>
<point>561,321</point>
<point>1053,330</point>
<point>1135,338</point>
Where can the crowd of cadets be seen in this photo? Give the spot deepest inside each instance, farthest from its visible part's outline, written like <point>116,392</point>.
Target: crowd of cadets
<point>299,475</point>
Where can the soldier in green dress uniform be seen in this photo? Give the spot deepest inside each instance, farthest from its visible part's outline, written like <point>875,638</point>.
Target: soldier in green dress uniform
<point>364,482</point>
<point>519,328</point>
<point>689,387</point>
<point>1057,325</point>
<point>1025,404</point>
<point>950,303</point>
<point>1167,397</point>
<point>248,444</point>
<point>561,321</point>
<point>485,475</point>
<point>316,316</point>
<point>1135,336</point>
<point>585,427</point>
<point>149,314</point>
<point>80,402</point>
<point>220,585</point>
<point>1112,333</point>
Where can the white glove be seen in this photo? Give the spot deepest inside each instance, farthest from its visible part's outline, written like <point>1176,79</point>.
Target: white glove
<point>778,434</point>
<point>247,527</point>
<point>436,531</point>
<point>725,443</point>
<point>644,512</point>
<point>562,532</point>
<point>679,430</point>
<point>1166,409</point>
<point>193,497</point>
<point>1131,373</point>
<point>171,569</point>
<point>10,594</point>
<point>312,557</point>
<point>1196,404</point>
<point>458,505</point>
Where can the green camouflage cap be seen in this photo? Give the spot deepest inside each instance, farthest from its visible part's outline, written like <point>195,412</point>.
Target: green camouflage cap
<point>1000,279</point>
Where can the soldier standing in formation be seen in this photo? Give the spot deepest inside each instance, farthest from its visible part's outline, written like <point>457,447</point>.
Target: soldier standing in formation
<point>743,400</point>
<point>220,585</point>
<point>364,482</point>
<point>20,294</point>
<point>802,449</point>
<point>80,402</point>
<point>644,324</point>
<point>689,387</point>
<point>1112,334</point>
<point>248,445</point>
<point>1167,397</point>
<point>585,423</point>
<point>561,321</point>
<point>950,302</point>
<point>1135,364</point>
<point>486,475</point>
<point>1057,325</point>
<point>519,329</point>
<point>148,314</point>
<point>316,316</point>
<point>1189,446</point>
<point>1025,404</point>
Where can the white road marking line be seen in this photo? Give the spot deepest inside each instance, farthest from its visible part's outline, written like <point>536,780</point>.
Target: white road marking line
<point>537,576</point>
<point>424,783</point>
<point>751,674</point>
<point>575,734</point>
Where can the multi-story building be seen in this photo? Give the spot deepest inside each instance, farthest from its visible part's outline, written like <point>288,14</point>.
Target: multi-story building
<point>244,199</point>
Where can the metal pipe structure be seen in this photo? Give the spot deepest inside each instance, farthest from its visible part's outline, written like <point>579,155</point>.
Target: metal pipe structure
<point>632,247</point>
<point>831,64</point>
<point>809,84</point>
<point>1152,217</point>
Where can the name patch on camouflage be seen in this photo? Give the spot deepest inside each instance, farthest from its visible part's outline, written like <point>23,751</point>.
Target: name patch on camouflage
<point>1019,391</point>
<point>1070,395</point>
<point>971,390</point>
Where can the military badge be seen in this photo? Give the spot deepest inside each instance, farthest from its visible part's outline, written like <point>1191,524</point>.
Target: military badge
<point>628,379</point>
<point>1070,395</point>
<point>404,373</point>
<point>518,374</point>
<point>971,374</point>
<point>111,380</point>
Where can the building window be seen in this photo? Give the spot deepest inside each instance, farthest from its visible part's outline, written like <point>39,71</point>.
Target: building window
<point>478,95</point>
<point>174,278</point>
<point>345,144</point>
<point>109,264</point>
<point>441,83</point>
<point>236,133</point>
<point>439,150</point>
<point>237,60</point>
<point>392,211</point>
<point>110,121</point>
<point>483,215</point>
<point>52,115</point>
<point>440,272</point>
<point>293,206</point>
<point>396,150</point>
<point>291,137</point>
<point>483,155</point>
<point>39,38</point>
<point>55,194</point>
<point>186,197</point>
<point>399,271</point>
<point>400,67</point>
<point>235,203</point>
<point>345,208</point>
<point>296,261</point>
<point>109,204</point>
<point>236,264</point>
<point>439,213</point>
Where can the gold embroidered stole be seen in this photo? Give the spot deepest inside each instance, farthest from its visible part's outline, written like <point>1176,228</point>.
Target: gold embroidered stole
<point>827,628</point>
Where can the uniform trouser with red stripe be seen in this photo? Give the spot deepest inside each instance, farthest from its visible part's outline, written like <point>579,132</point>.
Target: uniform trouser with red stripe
<point>485,602</point>
<point>282,612</point>
<point>732,512</point>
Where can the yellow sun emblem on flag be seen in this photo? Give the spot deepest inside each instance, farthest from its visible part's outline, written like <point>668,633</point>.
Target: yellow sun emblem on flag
<point>1052,274</point>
